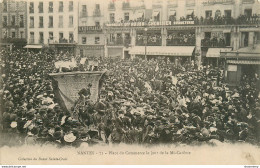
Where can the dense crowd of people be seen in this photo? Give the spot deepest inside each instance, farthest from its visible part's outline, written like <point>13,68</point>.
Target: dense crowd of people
<point>182,38</point>
<point>153,39</point>
<point>213,42</point>
<point>210,20</point>
<point>141,102</point>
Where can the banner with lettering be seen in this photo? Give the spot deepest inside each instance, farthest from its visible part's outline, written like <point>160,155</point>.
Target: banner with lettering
<point>69,84</point>
<point>152,23</point>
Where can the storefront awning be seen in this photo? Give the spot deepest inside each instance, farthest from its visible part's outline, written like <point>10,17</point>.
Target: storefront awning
<point>245,62</point>
<point>172,13</point>
<point>227,30</point>
<point>190,12</point>
<point>140,14</point>
<point>215,52</point>
<point>33,46</point>
<point>163,50</point>
<point>245,52</point>
<point>155,13</point>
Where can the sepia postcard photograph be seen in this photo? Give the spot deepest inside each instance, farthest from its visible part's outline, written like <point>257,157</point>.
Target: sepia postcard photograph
<point>130,82</point>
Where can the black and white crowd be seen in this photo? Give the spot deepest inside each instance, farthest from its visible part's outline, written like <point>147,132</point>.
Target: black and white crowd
<point>140,102</point>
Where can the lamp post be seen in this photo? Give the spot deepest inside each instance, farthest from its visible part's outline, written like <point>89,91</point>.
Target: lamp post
<point>145,42</point>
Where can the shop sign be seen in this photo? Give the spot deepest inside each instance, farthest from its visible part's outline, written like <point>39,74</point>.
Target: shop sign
<point>141,24</point>
<point>87,29</point>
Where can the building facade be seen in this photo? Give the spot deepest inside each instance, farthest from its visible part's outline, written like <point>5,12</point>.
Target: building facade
<point>90,29</point>
<point>53,23</point>
<point>13,18</point>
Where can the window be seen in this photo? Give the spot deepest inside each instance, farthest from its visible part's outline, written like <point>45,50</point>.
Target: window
<point>50,35</point>
<point>60,21</point>
<point>217,13</point>
<point>71,37</point>
<point>40,7</point>
<point>40,21</point>
<point>41,39</point>
<point>31,22</point>
<point>22,34</point>
<point>21,21</point>
<point>97,6</point>
<point>5,7</point>
<point>126,17</point>
<point>50,21</point>
<point>84,10</point>
<point>227,38</point>
<point>257,37</point>
<point>61,37</point>
<point>13,34</point>
<point>31,37</point>
<point>50,7</point>
<point>61,6</point>
<point>81,52</point>
<point>156,16</point>
<point>4,21</point>
<point>208,35</point>
<point>71,6</point>
<point>208,14</point>
<point>97,24</point>
<point>70,21</point>
<point>31,7</point>
<point>228,13</point>
<point>13,20</point>
<point>112,17</point>
<point>84,40</point>
<point>84,23</point>
<point>97,40</point>
<point>190,2</point>
<point>244,39</point>
<point>248,12</point>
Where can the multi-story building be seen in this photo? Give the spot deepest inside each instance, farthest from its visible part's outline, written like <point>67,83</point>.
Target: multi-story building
<point>53,23</point>
<point>13,19</point>
<point>90,29</point>
<point>181,29</point>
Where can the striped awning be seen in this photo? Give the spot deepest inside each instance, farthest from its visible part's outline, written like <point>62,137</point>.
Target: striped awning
<point>163,50</point>
<point>245,62</point>
<point>215,52</point>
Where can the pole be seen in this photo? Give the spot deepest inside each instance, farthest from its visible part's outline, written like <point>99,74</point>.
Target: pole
<point>145,50</point>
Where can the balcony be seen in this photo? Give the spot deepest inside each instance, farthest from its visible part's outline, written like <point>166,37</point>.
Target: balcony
<point>97,13</point>
<point>111,6</point>
<point>150,40</point>
<point>213,2</point>
<point>126,5</point>
<point>213,43</point>
<point>248,1</point>
<point>120,42</point>
<point>83,14</point>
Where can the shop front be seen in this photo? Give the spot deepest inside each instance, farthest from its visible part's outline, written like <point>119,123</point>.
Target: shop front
<point>90,51</point>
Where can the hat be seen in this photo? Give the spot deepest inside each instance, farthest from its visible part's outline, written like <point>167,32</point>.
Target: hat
<point>57,135</point>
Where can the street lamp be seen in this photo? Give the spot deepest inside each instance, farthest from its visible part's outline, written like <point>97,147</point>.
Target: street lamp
<point>145,42</point>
